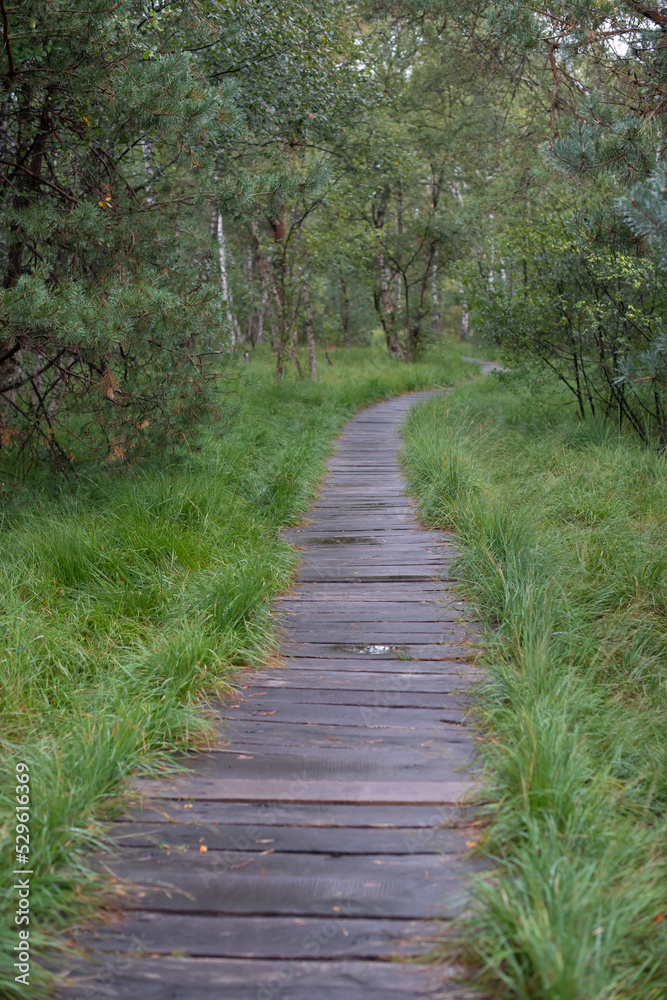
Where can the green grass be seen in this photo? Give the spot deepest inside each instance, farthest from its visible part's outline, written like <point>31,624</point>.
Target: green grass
<point>135,598</point>
<point>562,528</point>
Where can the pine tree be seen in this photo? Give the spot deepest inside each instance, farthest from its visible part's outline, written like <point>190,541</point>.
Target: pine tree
<point>108,303</point>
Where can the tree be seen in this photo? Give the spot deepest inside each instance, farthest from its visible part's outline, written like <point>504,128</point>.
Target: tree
<point>125,130</point>
<point>108,308</point>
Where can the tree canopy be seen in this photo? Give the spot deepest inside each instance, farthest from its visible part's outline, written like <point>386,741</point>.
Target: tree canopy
<point>181,182</point>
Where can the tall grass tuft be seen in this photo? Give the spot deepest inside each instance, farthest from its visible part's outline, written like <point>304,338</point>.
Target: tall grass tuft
<point>562,535</point>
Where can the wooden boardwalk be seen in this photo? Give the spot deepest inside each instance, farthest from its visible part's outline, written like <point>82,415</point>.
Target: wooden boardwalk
<point>324,835</point>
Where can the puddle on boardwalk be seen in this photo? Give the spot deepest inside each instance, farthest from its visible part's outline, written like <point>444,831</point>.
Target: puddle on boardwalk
<point>345,540</point>
<point>372,649</point>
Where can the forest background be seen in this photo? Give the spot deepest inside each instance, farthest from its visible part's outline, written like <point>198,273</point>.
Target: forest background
<point>345,192</point>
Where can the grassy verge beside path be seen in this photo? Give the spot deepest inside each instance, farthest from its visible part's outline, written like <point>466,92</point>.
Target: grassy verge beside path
<point>129,601</point>
<point>563,527</point>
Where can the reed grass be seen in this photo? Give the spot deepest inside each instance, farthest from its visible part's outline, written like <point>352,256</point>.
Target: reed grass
<point>561,526</point>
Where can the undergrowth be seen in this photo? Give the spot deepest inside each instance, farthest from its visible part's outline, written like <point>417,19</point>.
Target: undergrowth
<point>562,533</point>
<point>133,599</point>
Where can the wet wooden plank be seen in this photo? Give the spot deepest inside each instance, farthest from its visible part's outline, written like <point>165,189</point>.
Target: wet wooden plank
<point>378,556</point>
<point>416,886</point>
<point>371,716</point>
<point>438,652</point>
<point>378,574</point>
<point>291,839</point>
<point>311,815</point>
<point>299,790</point>
<point>456,674</point>
<point>238,979</point>
<point>322,532</point>
<point>455,740</point>
<point>373,682</point>
<point>380,632</point>
<point>319,734</point>
<point>262,937</point>
<point>348,523</point>
<point>303,612</point>
<point>397,695</point>
<point>364,592</point>
<point>331,764</point>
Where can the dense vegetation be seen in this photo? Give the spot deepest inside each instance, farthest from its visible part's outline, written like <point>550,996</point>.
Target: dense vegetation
<point>183,184</point>
<point>180,181</point>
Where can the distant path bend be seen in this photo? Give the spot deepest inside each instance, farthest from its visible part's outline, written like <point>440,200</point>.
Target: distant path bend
<point>486,366</point>
<point>325,834</point>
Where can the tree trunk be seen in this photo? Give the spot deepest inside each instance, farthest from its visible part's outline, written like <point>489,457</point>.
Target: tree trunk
<point>250,328</point>
<point>310,329</point>
<point>149,166</point>
<point>436,322</point>
<point>345,311</point>
<point>416,324</point>
<point>408,331</point>
<point>385,310</point>
<point>11,374</point>
<point>277,339</point>
<point>465,318</point>
<point>260,315</point>
<point>234,332</point>
<point>291,349</point>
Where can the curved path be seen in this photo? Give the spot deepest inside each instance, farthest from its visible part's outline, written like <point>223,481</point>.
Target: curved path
<point>325,833</point>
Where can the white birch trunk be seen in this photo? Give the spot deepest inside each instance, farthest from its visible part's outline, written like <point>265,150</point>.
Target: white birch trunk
<point>310,329</point>
<point>234,333</point>
<point>434,299</point>
<point>465,316</point>
<point>149,166</point>
<point>260,316</point>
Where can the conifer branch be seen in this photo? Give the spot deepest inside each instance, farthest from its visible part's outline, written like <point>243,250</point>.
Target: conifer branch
<point>653,15</point>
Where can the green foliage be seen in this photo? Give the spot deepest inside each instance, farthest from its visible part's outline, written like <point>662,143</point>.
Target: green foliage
<point>590,312</point>
<point>105,293</point>
<point>560,525</point>
<point>122,126</point>
<point>602,93</point>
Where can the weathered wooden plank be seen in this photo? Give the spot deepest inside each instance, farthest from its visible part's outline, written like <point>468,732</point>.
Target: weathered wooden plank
<point>343,494</point>
<point>397,695</point>
<point>379,664</point>
<point>378,574</point>
<point>295,839</point>
<point>371,726</point>
<point>418,886</point>
<point>167,978</point>
<point>299,790</point>
<point>318,679</point>
<point>404,651</point>
<point>371,716</point>
<point>261,937</point>
<point>303,612</point>
<point>360,591</point>
<point>311,815</point>
<point>379,555</point>
<point>385,565</point>
<point>455,739</point>
<point>377,761</point>
<point>380,632</point>
<point>319,765</point>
